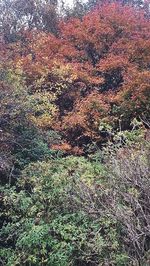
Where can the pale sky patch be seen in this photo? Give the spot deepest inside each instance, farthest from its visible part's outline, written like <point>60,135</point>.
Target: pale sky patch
<point>70,2</point>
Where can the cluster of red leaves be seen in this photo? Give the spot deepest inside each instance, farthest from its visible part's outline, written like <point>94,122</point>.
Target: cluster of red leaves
<point>108,51</point>
<point>67,148</point>
<point>87,114</point>
<point>135,94</point>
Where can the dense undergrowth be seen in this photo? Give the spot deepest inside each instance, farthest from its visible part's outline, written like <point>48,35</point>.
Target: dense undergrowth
<point>75,132</point>
<point>78,211</point>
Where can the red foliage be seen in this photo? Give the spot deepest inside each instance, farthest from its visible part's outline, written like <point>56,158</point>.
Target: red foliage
<point>135,94</point>
<point>67,148</point>
<point>87,114</point>
<point>107,51</point>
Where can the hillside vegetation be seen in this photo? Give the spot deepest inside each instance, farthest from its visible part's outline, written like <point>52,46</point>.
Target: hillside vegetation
<point>75,133</point>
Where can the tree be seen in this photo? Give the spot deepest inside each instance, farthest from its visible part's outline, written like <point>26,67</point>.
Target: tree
<point>30,14</point>
<point>97,54</point>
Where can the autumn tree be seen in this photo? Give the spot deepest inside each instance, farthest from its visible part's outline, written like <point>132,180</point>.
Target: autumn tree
<point>104,58</point>
<point>115,44</point>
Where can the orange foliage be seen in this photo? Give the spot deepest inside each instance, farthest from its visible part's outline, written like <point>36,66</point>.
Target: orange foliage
<point>135,94</point>
<point>65,147</point>
<point>108,51</point>
<point>87,114</point>
<point>109,37</point>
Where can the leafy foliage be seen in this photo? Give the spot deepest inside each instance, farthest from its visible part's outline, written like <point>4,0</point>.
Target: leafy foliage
<point>73,211</point>
<point>74,143</point>
<point>41,209</point>
<point>105,54</point>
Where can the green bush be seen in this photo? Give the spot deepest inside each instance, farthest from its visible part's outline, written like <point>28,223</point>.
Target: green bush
<point>43,228</point>
<point>70,211</point>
